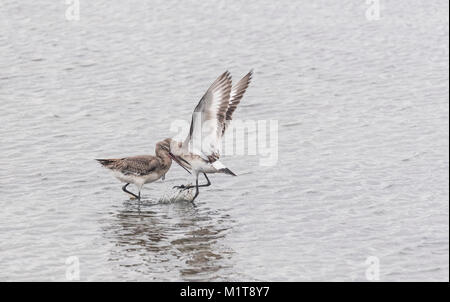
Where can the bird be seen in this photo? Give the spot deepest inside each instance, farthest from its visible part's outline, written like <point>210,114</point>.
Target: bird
<point>200,151</point>
<point>141,169</point>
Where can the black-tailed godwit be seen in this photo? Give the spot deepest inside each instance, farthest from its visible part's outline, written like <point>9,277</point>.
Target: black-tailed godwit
<point>199,152</point>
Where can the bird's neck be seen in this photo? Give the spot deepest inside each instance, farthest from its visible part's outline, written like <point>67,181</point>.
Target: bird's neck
<point>163,156</point>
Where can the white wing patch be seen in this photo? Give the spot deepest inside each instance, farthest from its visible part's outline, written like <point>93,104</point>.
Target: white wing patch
<point>212,115</point>
<point>204,137</point>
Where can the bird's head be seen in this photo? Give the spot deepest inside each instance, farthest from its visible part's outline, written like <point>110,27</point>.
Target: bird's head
<point>163,146</point>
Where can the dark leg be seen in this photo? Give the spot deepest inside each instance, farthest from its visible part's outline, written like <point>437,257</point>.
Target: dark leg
<point>179,187</point>
<point>207,179</point>
<point>196,189</point>
<point>139,202</point>
<point>124,188</point>
<point>189,187</point>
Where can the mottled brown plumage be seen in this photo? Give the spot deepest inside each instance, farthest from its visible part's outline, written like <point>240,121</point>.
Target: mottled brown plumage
<point>141,169</point>
<point>134,165</point>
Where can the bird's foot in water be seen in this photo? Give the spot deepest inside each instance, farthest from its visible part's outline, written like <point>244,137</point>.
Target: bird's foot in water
<point>134,197</point>
<point>182,187</point>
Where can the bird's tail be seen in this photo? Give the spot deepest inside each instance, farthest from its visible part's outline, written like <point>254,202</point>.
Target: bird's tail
<point>227,171</point>
<point>222,168</point>
<point>106,162</point>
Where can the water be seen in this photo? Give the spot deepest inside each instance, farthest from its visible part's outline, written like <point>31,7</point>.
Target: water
<point>362,109</point>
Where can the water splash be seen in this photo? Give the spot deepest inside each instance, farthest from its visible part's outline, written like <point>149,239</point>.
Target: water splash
<point>176,195</point>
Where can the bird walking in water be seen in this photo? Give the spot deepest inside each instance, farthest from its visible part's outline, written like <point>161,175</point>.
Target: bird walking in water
<point>199,152</point>
<point>141,169</point>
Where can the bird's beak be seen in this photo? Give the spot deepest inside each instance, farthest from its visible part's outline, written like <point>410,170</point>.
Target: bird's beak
<point>178,161</point>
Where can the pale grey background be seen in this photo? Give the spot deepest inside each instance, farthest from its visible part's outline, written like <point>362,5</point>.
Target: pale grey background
<point>363,139</point>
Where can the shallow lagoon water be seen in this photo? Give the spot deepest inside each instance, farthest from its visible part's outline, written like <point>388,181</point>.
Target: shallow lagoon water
<point>362,163</point>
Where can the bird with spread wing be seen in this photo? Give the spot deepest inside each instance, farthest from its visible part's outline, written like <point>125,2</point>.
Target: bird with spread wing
<point>199,153</point>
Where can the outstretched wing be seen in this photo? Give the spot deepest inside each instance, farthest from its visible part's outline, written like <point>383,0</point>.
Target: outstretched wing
<point>237,92</point>
<point>209,118</point>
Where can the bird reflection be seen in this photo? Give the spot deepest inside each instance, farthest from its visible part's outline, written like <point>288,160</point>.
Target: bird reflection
<point>177,241</point>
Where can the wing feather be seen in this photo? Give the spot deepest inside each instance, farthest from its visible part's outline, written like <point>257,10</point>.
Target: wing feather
<point>209,118</point>
<point>236,95</point>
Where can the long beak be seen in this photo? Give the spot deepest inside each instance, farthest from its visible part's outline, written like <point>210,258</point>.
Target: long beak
<point>178,162</point>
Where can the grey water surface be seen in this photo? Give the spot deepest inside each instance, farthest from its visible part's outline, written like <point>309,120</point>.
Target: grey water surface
<point>359,184</point>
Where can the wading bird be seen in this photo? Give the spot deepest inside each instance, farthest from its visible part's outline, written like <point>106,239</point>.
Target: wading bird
<point>199,152</point>
<point>141,169</point>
